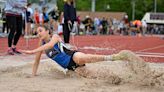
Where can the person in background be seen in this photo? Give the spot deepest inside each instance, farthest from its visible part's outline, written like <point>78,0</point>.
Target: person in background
<point>29,20</point>
<point>54,13</point>
<point>96,25</point>
<point>144,27</point>
<point>36,19</point>
<point>104,24</point>
<point>69,19</point>
<point>4,22</point>
<point>88,25</point>
<point>45,16</point>
<point>14,10</point>
<point>60,24</point>
<point>54,17</point>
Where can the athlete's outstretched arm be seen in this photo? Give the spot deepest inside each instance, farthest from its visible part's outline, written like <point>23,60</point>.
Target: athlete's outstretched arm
<point>54,40</point>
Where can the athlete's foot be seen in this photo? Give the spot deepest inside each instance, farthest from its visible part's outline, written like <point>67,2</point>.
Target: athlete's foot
<point>124,55</point>
<point>10,51</point>
<point>16,51</point>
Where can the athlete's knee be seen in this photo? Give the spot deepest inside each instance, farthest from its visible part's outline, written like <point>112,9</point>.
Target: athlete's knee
<point>79,58</point>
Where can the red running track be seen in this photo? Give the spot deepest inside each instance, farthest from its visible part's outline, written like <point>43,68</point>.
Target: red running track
<point>151,48</point>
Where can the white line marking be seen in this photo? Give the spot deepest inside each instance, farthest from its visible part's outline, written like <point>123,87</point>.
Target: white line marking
<point>157,56</point>
<point>151,53</point>
<point>152,48</point>
<point>97,48</point>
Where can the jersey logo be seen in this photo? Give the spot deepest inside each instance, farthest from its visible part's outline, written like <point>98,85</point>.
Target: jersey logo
<point>52,53</point>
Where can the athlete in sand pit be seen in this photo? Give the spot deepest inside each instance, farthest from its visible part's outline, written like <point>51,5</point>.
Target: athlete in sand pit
<point>70,59</point>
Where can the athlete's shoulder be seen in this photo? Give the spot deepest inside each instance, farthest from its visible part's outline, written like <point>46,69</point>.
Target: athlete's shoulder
<point>56,37</point>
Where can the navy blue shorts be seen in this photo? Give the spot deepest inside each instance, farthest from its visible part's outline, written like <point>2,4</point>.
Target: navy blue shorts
<point>72,65</point>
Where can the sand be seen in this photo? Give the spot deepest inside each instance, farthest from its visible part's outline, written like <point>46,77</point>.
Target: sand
<point>132,75</point>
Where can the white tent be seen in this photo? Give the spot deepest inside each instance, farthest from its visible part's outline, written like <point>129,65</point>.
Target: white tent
<point>154,18</point>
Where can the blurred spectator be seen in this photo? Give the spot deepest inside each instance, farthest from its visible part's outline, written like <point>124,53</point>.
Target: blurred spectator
<point>54,14</point>
<point>144,27</point>
<point>77,25</point>
<point>104,24</point>
<point>161,29</point>
<point>81,26</point>
<point>126,20</point>
<point>78,20</point>
<point>88,25</point>
<point>14,10</point>
<point>36,19</point>
<point>36,16</point>
<point>60,25</point>
<point>29,20</point>
<point>45,15</point>
<point>41,20</point>
<point>69,19</point>
<point>96,25</point>
<point>5,26</point>
<point>121,27</point>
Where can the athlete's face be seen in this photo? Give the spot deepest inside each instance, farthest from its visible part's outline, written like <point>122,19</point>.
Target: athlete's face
<point>42,32</point>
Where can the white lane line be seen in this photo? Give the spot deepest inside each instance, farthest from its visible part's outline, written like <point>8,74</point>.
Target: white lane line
<point>97,48</point>
<point>149,53</point>
<point>151,48</point>
<point>144,55</point>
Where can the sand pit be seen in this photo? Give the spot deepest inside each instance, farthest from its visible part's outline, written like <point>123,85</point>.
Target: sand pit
<point>134,70</point>
<point>133,75</point>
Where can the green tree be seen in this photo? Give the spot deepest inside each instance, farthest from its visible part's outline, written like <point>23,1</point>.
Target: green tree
<point>160,4</point>
<point>33,1</point>
<point>60,4</point>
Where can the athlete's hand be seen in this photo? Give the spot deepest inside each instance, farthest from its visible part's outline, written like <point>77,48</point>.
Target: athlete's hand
<point>27,51</point>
